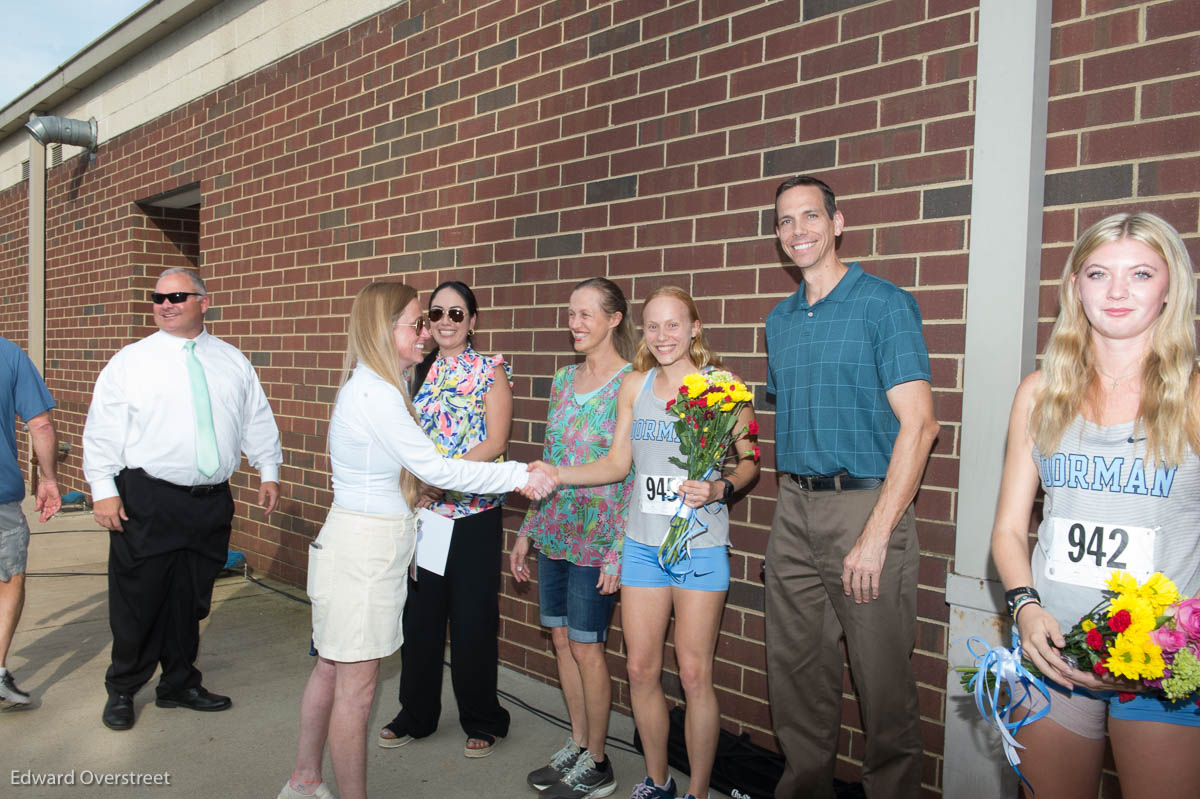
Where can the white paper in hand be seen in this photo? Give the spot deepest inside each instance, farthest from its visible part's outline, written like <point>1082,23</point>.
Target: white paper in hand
<point>433,540</point>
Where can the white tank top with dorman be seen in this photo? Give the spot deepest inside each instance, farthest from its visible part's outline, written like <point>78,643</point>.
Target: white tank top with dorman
<point>1105,508</point>
<point>654,441</point>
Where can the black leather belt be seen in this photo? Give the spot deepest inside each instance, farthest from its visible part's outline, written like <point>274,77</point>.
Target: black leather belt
<point>835,482</point>
<point>195,491</point>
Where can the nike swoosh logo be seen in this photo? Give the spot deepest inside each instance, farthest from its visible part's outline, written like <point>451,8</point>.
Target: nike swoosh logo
<point>1132,440</point>
<point>701,574</point>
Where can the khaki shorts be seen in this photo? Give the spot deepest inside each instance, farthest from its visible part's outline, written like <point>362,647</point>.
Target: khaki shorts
<point>14,541</point>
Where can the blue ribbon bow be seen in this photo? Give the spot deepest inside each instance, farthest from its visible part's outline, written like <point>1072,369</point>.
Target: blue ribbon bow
<point>1010,689</point>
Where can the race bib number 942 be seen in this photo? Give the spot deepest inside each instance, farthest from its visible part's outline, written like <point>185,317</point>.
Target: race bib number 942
<point>1087,553</point>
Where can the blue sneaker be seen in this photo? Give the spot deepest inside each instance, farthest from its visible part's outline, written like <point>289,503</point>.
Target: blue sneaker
<point>646,789</point>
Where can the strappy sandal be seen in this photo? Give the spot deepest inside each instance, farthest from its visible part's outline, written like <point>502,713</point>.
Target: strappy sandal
<point>491,741</point>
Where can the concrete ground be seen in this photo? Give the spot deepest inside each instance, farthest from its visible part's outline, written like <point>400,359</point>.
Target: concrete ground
<point>254,648</point>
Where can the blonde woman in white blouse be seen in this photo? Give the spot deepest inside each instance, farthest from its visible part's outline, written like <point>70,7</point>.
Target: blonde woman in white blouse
<point>358,565</point>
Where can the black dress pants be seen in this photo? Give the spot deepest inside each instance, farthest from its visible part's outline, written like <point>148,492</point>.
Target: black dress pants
<point>161,571</point>
<point>466,596</point>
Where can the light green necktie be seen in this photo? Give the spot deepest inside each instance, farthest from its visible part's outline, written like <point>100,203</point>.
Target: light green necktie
<point>207,460</point>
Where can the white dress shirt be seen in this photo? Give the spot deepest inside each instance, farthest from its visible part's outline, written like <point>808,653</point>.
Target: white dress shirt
<point>372,437</point>
<point>142,415</point>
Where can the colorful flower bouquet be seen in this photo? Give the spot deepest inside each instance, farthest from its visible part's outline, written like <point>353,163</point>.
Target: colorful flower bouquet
<point>1142,633</point>
<point>708,404</point>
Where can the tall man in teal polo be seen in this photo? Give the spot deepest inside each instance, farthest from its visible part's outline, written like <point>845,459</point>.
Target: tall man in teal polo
<point>854,425</point>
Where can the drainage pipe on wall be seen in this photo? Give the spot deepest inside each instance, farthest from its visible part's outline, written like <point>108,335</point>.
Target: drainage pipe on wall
<point>43,131</point>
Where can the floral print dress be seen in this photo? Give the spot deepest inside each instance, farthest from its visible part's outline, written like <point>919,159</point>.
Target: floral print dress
<point>583,524</point>
<point>451,406</point>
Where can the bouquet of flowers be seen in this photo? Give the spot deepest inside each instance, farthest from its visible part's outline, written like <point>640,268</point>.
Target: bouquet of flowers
<point>707,405</point>
<point>1141,632</point>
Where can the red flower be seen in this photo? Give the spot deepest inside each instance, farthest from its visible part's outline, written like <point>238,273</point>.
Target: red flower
<point>752,428</point>
<point>703,441</point>
<point>1125,696</point>
<point>669,404</point>
<point>1099,668</point>
<point>1095,640</point>
<point>757,453</point>
<point>1120,621</point>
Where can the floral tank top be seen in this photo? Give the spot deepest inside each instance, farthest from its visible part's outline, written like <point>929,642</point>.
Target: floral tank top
<point>450,404</point>
<point>582,524</point>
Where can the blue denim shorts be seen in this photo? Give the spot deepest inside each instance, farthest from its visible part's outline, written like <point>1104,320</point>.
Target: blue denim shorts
<point>707,571</point>
<point>14,541</point>
<point>568,597</point>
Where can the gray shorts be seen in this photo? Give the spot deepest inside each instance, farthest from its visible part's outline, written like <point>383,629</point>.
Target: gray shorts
<point>14,540</point>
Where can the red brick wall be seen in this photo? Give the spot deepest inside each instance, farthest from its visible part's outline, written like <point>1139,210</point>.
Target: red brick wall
<point>523,145</point>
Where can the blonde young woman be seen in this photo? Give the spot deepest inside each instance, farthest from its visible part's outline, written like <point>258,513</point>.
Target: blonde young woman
<point>1110,429</point>
<point>672,347</point>
<point>358,565</point>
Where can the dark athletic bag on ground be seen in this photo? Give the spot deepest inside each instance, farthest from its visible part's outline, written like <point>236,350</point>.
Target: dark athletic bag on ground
<point>742,769</point>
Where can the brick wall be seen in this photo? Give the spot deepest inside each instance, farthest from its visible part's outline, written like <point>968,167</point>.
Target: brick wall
<point>523,145</point>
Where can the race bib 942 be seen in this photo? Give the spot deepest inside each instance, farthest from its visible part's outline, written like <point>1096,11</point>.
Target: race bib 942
<point>1087,553</point>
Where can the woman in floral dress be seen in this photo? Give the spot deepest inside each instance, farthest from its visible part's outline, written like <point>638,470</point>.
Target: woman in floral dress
<point>465,406</point>
<point>579,533</point>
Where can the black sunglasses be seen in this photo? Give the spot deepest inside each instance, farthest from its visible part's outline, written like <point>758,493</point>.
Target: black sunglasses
<point>456,314</point>
<point>176,297</point>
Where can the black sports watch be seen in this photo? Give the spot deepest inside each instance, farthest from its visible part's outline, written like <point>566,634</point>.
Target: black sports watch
<point>1011,598</point>
<point>728,491</point>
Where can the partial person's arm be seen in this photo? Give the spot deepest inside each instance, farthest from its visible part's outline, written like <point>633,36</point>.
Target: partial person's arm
<point>614,466</point>
<point>497,408</point>
<point>384,413</point>
<point>104,435</point>
<point>912,402</point>
<point>1040,632</point>
<point>45,446</point>
<point>260,442</point>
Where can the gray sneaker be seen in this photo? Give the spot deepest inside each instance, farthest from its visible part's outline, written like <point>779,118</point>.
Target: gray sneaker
<point>10,694</point>
<point>583,781</point>
<point>560,763</point>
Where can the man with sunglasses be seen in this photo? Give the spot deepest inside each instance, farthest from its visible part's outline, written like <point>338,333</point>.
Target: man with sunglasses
<point>170,418</point>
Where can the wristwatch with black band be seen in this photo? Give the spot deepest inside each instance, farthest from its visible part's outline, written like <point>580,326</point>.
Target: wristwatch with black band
<point>728,490</point>
<point>1017,597</point>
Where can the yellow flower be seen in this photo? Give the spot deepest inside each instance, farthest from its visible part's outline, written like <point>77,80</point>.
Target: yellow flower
<point>1159,591</point>
<point>1141,612</point>
<point>1121,582</point>
<point>727,406</point>
<point>1087,625</point>
<point>1135,657</point>
<point>713,399</point>
<point>695,385</point>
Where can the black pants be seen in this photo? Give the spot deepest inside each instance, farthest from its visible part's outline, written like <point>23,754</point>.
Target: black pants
<point>466,596</point>
<point>161,571</point>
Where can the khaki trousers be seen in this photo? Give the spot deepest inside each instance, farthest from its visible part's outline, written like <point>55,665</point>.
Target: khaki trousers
<point>806,616</point>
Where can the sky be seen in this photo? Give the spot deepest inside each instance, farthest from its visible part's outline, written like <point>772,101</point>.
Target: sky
<point>42,34</point>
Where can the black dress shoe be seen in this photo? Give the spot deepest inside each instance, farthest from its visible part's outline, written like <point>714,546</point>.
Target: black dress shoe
<point>194,699</point>
<point>118,712</point>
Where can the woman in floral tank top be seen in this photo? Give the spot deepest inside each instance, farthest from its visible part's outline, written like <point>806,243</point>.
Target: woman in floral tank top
<point>465,406</point>
<point>579,532</point>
